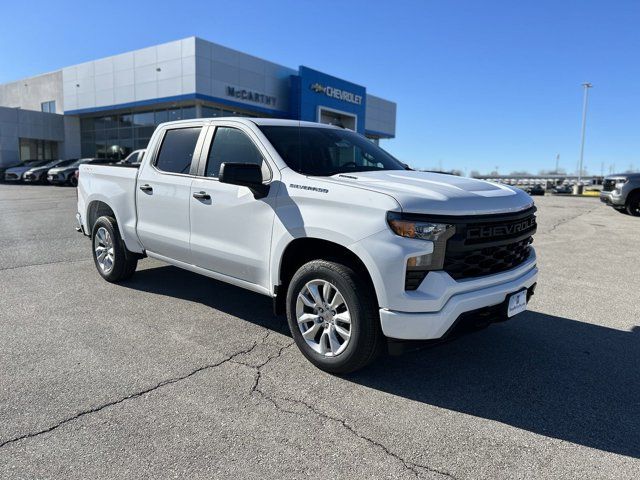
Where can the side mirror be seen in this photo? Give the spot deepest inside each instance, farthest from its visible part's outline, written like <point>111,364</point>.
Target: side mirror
<point>245,175</point>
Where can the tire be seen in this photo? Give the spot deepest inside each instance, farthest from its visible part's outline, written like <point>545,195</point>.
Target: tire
<point>123,263</point>
<point>73,181</point>
<point>365,339</point>
<point>622,210</point>
<point>633,204</point>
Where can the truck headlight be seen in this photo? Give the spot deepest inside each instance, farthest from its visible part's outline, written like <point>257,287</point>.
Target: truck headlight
<point>418,229</point>
<point>619,185</point>
<point>417,267</point>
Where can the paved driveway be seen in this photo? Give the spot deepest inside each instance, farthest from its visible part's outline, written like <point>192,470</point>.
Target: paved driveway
<point>175,375</point>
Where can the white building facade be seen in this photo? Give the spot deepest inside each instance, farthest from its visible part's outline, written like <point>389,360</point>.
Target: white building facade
<point>109,107</point>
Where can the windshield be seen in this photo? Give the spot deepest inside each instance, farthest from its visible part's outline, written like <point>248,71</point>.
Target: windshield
<point>87,160</point>
<point>65,163</point>
<point>326,151</point>
<point>75,163</point>
<point>57,163</point>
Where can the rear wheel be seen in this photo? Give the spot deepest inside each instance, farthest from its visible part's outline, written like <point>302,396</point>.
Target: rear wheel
<point>73,181</point>
<point>333,317</point>
<point>111,257</point>
<point>633,204</point>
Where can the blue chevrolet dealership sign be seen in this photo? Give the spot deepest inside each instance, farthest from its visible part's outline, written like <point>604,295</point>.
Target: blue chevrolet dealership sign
<point>312,90</point>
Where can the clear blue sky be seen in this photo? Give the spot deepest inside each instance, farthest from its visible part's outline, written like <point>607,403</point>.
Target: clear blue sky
<point>478,84</point>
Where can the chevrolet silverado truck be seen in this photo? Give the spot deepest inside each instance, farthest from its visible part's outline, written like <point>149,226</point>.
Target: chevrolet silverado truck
<point>355,247</point>
<point>622,192</point>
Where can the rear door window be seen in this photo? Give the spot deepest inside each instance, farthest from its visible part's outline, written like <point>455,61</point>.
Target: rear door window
<point>177,150</point>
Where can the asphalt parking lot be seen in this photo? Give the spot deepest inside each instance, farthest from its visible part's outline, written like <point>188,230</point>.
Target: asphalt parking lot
<point>175,375</point>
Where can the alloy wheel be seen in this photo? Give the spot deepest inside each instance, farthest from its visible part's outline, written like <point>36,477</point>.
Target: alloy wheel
<point>103,247</point>
<point>323,318</point>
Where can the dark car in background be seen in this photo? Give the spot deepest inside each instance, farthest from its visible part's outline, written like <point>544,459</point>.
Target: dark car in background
<point>39,174</point>
<point>65,175</point>
<point>15,173</point>
<point>564,189</point>
<point>536,189</point>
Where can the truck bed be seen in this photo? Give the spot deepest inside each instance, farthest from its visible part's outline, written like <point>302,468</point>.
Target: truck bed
<point>114,185</point>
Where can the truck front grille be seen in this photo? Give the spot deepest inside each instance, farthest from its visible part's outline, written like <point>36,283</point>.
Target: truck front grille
<point>489,244</point>
<point>608,185</point>
<point>486,261</point>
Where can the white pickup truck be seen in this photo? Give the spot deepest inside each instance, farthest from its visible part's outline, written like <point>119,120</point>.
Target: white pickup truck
<point>353,245</point>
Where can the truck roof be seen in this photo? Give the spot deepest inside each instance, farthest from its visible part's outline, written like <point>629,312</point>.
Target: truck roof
<point>257,121</point>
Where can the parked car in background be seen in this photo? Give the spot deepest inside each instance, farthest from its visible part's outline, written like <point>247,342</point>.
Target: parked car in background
<point>14,174</point>
<point>39,174</point>
<point>4,168</point>
<point>622,192</point>
<point>562,189</point>
<point>536,189</point>
<point>65,175</point>
<point>134,158</point>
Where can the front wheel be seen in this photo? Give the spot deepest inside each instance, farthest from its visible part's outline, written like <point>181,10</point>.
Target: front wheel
<point>111,257</point>
<point>633,204</point>
<point>333,317</point>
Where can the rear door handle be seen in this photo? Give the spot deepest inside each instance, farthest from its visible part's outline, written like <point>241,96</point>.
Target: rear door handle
<point>146,188</point>
<point>202,196</point>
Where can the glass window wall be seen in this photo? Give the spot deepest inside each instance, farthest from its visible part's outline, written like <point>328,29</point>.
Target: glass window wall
<point>115,136</point>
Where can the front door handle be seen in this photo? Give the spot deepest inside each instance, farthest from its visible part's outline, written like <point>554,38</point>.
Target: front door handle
<point>202,196</point>
<point>146,188</point>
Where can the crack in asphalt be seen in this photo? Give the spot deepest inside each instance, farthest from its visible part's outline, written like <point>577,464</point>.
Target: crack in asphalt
<point>44,263</point>
<point>413,467</point>
<point>408,465</point>
<point>567,220</point>
<point>137,394</point>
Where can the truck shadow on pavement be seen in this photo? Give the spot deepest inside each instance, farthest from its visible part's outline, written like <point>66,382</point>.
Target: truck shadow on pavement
<point>175,282</point>
<point>553,376</point>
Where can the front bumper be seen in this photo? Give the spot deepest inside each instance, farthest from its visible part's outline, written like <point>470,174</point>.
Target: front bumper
<point>12,177</point>
<point>433,325</point>
<point>33,177</point>
<point>612,198</point>
<point>56,179</point>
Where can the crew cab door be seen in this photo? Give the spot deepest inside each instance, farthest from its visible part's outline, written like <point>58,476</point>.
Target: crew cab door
<point>230,228</point>
<point>163,191</point>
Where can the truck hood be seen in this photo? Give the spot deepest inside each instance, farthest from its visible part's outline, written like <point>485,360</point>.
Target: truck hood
<point>439,194</point>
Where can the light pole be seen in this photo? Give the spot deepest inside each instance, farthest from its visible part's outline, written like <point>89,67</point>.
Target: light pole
<point>586,87</point>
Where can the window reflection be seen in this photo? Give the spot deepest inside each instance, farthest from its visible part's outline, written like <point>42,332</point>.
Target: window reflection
<point>114,136</point>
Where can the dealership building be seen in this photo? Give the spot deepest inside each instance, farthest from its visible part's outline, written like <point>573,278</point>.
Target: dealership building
<point>110,106</point>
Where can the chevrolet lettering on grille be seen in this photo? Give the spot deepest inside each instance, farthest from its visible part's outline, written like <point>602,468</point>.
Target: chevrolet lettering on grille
<point>493,231</point>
